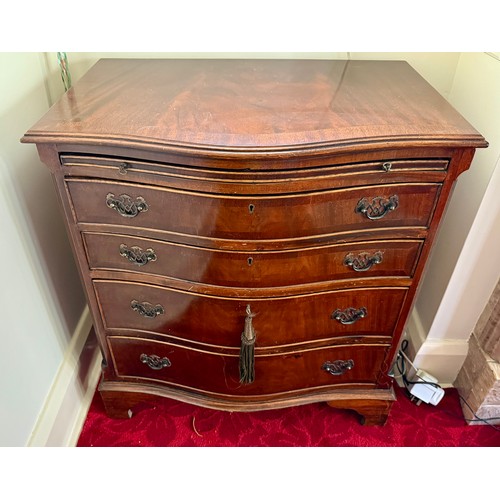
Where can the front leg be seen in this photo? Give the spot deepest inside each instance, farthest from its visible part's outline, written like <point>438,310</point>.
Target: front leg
<point>372,411</point>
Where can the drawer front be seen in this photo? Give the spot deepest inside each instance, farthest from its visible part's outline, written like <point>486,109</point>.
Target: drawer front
<point>220,321</point>
<point>219,373</point>
<point>243,178</point>
<point>252,269</point>
<point>254,218</point>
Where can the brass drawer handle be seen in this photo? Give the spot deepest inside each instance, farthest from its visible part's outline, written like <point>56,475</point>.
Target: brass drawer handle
<point>378,208</point>
<point>146,309</point>
<point>125,206</point>
<point>387,166</point>
<point>350,315</point>
<point>338,367</point>
<point>247,350</point>
<point>137,255</point>
<point>363,261</point>
<point>155,362</point>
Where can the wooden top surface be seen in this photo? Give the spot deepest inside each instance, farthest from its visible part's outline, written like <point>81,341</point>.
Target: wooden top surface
<point>248,105</point>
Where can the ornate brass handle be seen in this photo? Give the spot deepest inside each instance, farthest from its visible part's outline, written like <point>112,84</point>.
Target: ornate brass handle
<point>378,208</point>
<point>247,350</point>
<point>146,309</point>
<point>155,362</point>
<point>350,315</point>
<point>338,367</point>
<point>137,255</point>
<point>125,206</point>
<point>363,261</point>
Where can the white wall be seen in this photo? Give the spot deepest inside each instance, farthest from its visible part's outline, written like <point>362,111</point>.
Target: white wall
<point>41,296</point>
<point>475,93</point>
<point>464,266</point>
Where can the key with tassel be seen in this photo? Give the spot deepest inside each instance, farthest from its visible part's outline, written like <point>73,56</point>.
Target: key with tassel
<point>247,351</point>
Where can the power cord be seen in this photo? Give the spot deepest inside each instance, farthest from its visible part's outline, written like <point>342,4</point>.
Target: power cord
<point>479,419</point>
<point>400,364</point>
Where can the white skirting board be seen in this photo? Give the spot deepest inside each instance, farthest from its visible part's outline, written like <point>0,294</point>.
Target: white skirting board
<point>65,409</point>
<point>442,358</point>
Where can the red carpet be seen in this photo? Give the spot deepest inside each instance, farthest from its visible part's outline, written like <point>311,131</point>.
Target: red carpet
<point>172,424</point>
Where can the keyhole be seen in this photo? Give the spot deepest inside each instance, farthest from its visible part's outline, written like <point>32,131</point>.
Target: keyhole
<point>250,261</point>
<point>251,208</point>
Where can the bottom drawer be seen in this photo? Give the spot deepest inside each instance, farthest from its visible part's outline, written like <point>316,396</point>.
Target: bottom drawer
<point>218,373</point>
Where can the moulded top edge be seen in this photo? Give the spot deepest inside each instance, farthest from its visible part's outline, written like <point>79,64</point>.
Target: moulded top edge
<point>233,151</point>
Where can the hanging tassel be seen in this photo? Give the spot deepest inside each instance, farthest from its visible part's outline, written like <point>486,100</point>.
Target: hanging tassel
<point>247,351</point>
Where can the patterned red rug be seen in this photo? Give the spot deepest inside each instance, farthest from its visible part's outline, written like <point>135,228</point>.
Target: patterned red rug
<point>171,423</point>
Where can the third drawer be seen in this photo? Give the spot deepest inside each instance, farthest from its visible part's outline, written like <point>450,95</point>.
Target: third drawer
<point>219,321</point>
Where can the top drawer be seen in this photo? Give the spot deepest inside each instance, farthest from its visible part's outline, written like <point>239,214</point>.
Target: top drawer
<point>256,217</point>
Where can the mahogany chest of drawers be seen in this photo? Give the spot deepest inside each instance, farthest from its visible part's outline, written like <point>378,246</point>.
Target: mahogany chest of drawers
<point>251,233</point>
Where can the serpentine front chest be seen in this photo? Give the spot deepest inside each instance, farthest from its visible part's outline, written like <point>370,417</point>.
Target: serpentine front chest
<point>251,233</point>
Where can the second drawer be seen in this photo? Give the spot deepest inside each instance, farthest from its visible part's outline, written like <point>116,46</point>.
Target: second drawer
<point>395,258</point>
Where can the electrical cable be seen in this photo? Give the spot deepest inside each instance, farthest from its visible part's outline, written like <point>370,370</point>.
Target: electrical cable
<point>479,419</point>
<point>401,366</point>
<point>402,370</point>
